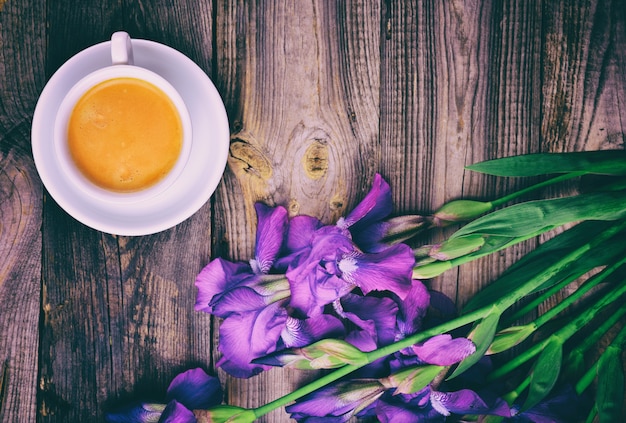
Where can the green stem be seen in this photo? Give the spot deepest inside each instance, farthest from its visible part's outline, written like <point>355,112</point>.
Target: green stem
<point>592,339</point>
<point>540,299</point>
<point>564,333</point>
<point>546,274</point>
<point>371,356</point>
<point>540,185</point>
<point>582,290</point>
<point>618,342</point>
<point>460,321</point>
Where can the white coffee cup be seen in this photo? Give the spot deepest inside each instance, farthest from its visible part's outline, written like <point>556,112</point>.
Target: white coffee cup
<point>122,66</point>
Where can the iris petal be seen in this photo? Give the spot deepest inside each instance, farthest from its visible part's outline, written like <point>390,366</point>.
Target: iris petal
<point>175,412</point>
<point>413,309</point>
<point>389,270</point>
<point>271,228</point>
<point>246,336</point>
<point>239,300</point>
<point>376,205</point>
<point>337,402</point>
<point>138,412</point>
<point>466,401</point>
<point>375,316</point>
<point>301,230</point>
<point>195,389</point>
<point>443,350</point>
<point>299,333</point>
<point>216,277</point>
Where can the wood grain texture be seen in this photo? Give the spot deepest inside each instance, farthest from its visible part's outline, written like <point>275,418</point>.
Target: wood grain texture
<point>303,98</point>
<point>117,313</point>
<point>320,96</point>
<point>21,78</point>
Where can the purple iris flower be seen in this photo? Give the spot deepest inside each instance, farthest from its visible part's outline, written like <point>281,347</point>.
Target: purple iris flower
<point>221,276</point>
<point>334,266</point>
<point>429,405</point>
<point>190,390</point>
<point>466,401</point>
<point>337,402</point>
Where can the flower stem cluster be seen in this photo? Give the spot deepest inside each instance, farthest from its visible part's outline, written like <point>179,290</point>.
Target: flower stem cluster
<point>349,297</point>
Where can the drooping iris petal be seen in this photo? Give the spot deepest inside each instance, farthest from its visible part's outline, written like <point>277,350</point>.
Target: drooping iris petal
<point>375,206</point>
<point>239,300</point>
<point>337,402</point>
<point>412,310</point>
<point>175,412</point>
<point>195,389</point>
<point>216,277</point>
<point>466,401</point>
<point>299,333</point>
<point>443,350</point>
<point>271,228</point>
<point>374,316</point>
<point>389,270</point>
<point>246,336</point>
<point>138,412</point>
<point>301,231</point>
<point>365,221</point>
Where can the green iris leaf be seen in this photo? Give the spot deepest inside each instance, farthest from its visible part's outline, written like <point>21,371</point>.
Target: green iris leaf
<point>606,162</point>
<point>545,372</point>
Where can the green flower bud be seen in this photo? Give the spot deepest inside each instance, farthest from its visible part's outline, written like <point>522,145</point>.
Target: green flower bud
<point>460,211</point>
<point>431,270</point>
<point>457,247</point>
<point>225,413</point>
<point>412,379</point>
<point>332,353</point>
<point>510,337</point>
<point>401,228</point>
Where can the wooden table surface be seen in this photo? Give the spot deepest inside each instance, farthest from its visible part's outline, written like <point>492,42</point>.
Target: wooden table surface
<point>320,96</point>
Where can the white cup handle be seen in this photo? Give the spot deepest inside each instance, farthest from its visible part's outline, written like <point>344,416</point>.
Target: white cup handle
<point>121,49</point>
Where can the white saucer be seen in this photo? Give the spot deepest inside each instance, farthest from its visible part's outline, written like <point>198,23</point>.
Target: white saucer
<point>194,186</point>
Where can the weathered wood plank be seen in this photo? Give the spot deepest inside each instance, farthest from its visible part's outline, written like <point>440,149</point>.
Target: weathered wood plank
<point>301,81</point>
<point>583,80</point>
<point>118,316</point>
<point>21,78</point>
<point>321,95</point>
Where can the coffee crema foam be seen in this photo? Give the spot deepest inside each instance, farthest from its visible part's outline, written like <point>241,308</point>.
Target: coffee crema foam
<point>125,134</point>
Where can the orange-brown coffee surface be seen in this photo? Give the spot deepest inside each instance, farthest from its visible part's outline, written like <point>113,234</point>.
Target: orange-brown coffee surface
<point>125,134</point>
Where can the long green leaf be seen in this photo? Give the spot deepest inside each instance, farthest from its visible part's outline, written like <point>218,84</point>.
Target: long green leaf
<point>535,216</point>
<point>545,372</point>
<point>535,261</point>
<point>610,394</point>
<point>606,162</point>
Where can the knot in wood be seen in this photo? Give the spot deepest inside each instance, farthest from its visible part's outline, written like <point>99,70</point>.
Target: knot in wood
<point>315,159</point>
<point>244,157</point>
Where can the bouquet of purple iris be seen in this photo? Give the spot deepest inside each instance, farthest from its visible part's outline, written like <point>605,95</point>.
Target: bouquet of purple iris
<point>349,296</point>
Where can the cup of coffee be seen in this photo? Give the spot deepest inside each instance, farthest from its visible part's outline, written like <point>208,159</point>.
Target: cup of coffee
<point>122,133</point>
